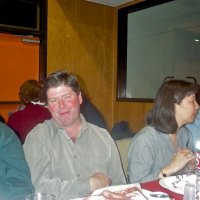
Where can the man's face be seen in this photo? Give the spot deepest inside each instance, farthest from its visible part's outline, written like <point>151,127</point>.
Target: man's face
<point>64,105</point>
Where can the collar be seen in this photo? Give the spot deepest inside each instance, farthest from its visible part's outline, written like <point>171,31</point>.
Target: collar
<point>37,103</point>
<point>84,126</point>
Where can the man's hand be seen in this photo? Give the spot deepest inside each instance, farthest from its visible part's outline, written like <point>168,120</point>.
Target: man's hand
<point>99,180</point>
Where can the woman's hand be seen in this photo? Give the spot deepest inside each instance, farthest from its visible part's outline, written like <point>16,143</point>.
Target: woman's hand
<point>182,159</point>
<point>191,165</point>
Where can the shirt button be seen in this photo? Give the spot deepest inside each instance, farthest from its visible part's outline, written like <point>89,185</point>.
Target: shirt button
<point>75,157</point>
<point>78,175</point>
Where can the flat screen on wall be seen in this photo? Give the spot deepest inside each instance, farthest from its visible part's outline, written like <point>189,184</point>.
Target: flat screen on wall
<point>157,40</point>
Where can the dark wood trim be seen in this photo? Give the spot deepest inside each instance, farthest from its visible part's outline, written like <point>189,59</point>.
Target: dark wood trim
<point>9,102</point>
<point>43,43</point>
<point>20,31</point>
<point>122,54</point>
<point>41,33</point>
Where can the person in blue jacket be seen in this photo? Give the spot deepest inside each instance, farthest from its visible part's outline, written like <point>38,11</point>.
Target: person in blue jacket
<point>15,179</point>
<point>194,127</point>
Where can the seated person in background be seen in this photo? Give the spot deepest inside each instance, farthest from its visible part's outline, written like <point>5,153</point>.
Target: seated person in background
<point>194,127</point>
<point>69,157</point>
<point>15,179</point>
<point>34,112</point>
<point>163,147</point>
<point>2,119</point>
<point>91,113</point>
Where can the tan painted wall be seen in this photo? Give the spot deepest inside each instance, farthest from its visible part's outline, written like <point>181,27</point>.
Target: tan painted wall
<point>82,39</point>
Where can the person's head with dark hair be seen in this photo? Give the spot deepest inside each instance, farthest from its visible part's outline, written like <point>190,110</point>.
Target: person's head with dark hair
<point>91,113</point>
<point>59,78</point>
<point>32,110</point>
<point>198,95</point>
<point>2,119</point>
<point>165,115</point>
<point>30,91</point>
<point>63,97</point>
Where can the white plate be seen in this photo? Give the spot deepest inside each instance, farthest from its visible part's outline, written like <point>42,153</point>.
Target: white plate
<point>177,183</point>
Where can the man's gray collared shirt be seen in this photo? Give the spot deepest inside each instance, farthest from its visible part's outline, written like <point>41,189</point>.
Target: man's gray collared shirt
<point>61,167</point>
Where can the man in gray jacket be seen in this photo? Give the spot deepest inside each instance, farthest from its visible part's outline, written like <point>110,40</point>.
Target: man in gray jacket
<point>69,157</point>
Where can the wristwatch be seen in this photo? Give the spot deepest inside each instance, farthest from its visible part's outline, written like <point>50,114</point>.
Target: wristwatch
<point>163,173</point>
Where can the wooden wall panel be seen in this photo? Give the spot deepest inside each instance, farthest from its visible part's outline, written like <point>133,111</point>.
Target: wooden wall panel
<point>133,112</point>
<point>82,38</point>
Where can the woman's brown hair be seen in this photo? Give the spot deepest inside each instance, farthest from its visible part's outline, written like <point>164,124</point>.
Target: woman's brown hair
<point>162,115</point>
<point>30,90</point>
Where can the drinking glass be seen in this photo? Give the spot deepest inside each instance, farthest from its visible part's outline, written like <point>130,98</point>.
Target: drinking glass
<point>40,196</point>
<point>189,191</point>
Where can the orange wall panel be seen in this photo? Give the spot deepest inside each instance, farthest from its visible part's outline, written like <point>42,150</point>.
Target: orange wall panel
<point>7,109</point>
<point>19,62</point>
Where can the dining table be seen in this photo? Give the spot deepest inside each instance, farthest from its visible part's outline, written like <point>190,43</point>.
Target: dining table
<point>155,186</point>
<point>147,189</point>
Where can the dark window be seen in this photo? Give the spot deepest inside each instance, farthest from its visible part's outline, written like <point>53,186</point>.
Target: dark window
<point>20,13</point>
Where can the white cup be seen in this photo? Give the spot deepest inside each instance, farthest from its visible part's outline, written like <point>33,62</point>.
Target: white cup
<point>40,196</point>
<point>189,191</point>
